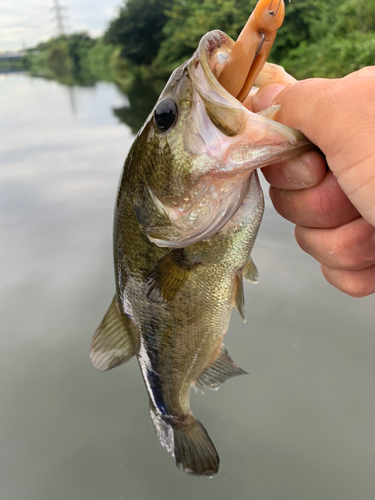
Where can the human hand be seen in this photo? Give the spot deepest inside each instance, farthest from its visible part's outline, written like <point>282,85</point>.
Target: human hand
<point>334,210</point>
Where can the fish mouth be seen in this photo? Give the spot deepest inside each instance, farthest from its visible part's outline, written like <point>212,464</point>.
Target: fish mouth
<point>213,51</point>
<point>224,110</point>
<point>260,140</point>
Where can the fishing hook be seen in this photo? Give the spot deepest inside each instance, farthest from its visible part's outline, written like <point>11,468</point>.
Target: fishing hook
<point>273,13</point>
<point>260,44</point>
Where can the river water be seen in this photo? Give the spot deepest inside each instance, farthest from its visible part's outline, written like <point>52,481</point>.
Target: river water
<point>301,426</point>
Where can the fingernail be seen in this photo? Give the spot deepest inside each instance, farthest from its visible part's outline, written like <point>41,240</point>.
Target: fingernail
<point>296,172</point>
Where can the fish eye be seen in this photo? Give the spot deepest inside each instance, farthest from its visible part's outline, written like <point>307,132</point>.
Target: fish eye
<point>165,114</point>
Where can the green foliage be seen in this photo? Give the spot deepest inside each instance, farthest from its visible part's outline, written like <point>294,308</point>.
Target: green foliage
<point>100,61</point>
<point>78,45</point>
<point>189,20</point>
<point>38,61</point>
<point>58,58</point>
<point>138,29</point>
<point>340,39</point>
<point>318,37</point>
<point>149,38</point>
<point>9,65</point>
<point>142,96</point>
<point>297,26</point>
<point>332,57</point>
<point>62,59</point>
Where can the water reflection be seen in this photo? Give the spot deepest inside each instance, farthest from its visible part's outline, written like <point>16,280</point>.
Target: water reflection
<point>299,427</point>
<point>72,100</point>
<point>142,97</point>
<point>140,94</point>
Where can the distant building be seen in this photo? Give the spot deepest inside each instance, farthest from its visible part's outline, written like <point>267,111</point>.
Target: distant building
<point>11,56</point>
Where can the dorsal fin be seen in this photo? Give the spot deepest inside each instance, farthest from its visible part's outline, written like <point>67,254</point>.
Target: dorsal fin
<point>221,369</point>
<point>250,271</point>
<point>112,343</point>
<point>239,300</point>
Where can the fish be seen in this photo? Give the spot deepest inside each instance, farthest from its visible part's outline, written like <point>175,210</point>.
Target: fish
<point>188,209</point>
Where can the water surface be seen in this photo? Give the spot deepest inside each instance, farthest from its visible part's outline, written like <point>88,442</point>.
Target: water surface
<point>300,426</point>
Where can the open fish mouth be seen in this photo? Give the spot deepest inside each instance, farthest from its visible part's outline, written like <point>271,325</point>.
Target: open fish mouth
<point>213,51</point>
<point>228,113</point>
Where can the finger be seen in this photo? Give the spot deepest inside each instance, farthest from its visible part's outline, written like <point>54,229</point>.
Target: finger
<point>367,71</point>
<point>351,246</point>
<point>315,105</point>
<point>305,171</point>
<point>342,127</point>
<point>358,283</point>
<point>265,95</point>
<point>322,206</point>
<point>305,98</point>
<point>354,164</point>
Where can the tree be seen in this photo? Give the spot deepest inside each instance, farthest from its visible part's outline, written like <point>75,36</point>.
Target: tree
<point>189,20</point>
<point>138,29</point>
<point>341,39</point>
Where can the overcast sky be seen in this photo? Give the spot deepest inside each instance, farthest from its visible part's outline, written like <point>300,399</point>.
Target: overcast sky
<point>31,21</point>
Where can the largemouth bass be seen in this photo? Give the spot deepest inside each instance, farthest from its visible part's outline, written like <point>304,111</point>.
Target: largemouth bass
<point>187,213</point>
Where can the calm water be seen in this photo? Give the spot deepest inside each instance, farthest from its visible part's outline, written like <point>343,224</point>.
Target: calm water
<point>301,426</point>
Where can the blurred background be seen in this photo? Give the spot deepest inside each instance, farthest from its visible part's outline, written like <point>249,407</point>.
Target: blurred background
<point>77,80</point>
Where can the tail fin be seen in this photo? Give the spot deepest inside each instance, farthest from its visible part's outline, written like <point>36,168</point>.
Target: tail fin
<point>189,443</point>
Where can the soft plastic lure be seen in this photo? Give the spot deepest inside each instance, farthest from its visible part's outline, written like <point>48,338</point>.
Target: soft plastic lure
<point>252,48</point>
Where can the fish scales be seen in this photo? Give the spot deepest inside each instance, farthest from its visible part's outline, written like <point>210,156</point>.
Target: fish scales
<point>188,210</point>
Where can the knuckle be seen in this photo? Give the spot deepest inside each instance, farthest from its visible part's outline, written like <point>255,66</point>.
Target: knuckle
<point>343,258</point>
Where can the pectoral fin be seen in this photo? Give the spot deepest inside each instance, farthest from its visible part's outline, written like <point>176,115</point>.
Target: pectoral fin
<point>250,271</point>
<point>168,276</point>
<point>221,369</point>
<point>112,343</point>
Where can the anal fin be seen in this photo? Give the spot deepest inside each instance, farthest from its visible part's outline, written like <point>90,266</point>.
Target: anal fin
<point>221,369</point>
<point>239,299</point>
<point>250,271</point>
<point>112,344</point>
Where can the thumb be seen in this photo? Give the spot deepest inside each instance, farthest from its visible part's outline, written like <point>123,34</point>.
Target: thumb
<point>299,102</point>
<point>337,116</point>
